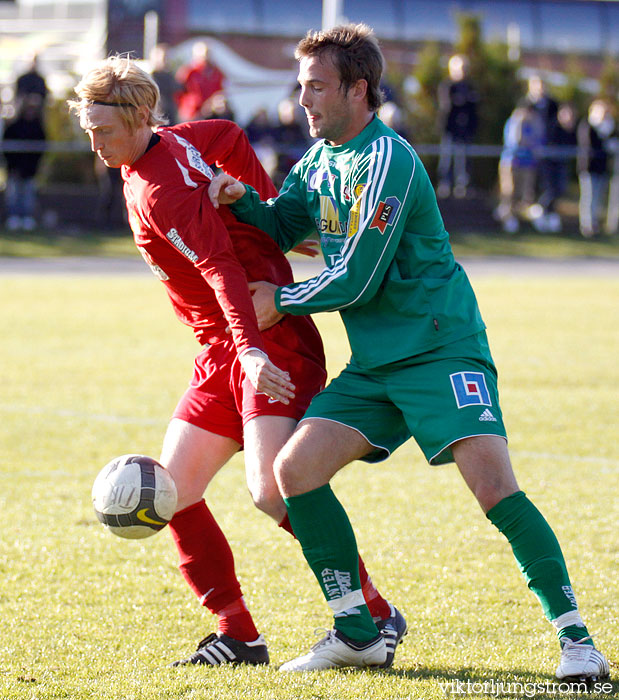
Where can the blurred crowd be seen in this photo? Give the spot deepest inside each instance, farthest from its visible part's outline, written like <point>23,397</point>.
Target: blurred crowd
<point>547,146</point>
<point>197,90</point>
<point>26,125</point>
<point>540,140</point>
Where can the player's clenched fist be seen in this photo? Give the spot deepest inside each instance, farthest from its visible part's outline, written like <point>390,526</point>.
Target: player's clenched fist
<point>224,189</point>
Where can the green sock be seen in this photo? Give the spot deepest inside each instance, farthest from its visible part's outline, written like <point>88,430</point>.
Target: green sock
<point>322,527</point>
<point>540,560</point>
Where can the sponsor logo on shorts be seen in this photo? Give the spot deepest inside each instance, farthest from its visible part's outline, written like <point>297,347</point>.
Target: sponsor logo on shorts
<point>470,389</point>
<point>487,416</point>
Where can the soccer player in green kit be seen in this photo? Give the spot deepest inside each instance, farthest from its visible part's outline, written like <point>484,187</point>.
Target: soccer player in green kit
<point>420,364</point>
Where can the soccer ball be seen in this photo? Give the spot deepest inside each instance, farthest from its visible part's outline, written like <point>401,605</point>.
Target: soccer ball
<point>134,496</point>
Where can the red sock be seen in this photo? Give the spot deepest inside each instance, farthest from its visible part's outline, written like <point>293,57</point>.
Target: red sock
<point>377,605</point>
<point>207,564</point>
<point>236,621</point>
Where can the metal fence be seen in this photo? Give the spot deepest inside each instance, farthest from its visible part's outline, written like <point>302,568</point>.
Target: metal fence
<point>432,149</point>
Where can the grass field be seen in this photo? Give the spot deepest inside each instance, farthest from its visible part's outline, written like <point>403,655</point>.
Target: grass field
<point>120,243</point>
<point>91,367</point>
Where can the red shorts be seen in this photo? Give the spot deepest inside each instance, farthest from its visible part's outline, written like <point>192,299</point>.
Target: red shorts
<point>222,400</point>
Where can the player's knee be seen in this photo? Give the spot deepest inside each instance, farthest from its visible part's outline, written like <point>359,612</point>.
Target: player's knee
<point>306,462</point>
<point>485,465</point>
<point>284,469</point>
<point>187,495</point>
<point>266,497</point>
<point>294,474</point>
<point>488,497</point>
<point>492,491</point>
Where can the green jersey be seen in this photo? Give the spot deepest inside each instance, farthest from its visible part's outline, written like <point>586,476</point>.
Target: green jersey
<point>390,271</point>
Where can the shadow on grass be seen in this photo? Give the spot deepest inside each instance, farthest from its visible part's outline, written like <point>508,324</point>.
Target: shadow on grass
<point>530,244</point>
<point>516,683</point>
<point>76,242</point>
<point>83,241</point>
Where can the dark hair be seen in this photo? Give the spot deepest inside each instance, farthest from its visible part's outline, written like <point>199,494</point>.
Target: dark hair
<point>355,53</point>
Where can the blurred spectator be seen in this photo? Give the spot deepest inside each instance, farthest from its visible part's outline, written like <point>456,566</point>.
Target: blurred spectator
<point>261,134</point>
<point>612,218</point>
<point>260,128</point>
<point>217,107</point>
<point>389,92</point>
<point>538,97</point>
<point>457,100</point>
<point>291,139</point>
<point>22,166</point>
<point>556,168</point>
<point>111,210</point>
<point>32,82</point>
<point>547,108</point>
<point>596,142</point>
<point>199,80</point>
<point>523,135</point>
<point>392,116</point>
<point>166,82</point>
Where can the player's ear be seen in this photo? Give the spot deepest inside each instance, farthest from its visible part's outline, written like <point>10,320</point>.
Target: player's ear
<point>360,89</point>
<point>143,114</point>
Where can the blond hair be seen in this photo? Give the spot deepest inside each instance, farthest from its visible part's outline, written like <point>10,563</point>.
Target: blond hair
<point>356,54</point>
<point>118,81</point>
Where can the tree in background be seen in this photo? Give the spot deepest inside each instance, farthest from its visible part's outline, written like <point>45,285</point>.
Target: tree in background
<point>494,75</point>
<point>66,167</point>
<point>609,83</point>
<point>423,109</point>
<point>571,91</point>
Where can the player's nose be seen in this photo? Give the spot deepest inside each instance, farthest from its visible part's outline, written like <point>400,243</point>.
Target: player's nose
<point>303,98</point>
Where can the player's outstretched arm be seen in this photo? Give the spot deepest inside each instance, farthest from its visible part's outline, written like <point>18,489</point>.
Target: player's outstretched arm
<point>225,189</point>
<point>266,377</point>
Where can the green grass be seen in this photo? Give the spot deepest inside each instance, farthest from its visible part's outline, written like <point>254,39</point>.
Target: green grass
<point>535,245</point>
<point>47,244</point>
<point>120,243</point>
<point>86,376</point>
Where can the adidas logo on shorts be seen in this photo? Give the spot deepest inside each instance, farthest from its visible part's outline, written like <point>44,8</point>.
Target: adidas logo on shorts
<point>487,416</point>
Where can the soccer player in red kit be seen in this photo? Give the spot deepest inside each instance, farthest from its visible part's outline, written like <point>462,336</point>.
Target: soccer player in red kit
<point>249,388</point>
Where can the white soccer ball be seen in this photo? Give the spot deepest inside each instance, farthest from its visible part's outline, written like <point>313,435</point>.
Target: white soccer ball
<point>134,496</point>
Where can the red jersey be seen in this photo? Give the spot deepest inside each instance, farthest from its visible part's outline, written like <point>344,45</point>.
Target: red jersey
<point>204,256</point>
<point>200,81</point>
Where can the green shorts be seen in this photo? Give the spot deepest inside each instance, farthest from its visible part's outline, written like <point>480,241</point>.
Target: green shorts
<point>438,397</point>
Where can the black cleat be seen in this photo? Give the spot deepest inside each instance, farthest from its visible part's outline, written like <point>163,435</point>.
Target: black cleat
<point>393,630</point>
<point>219,649</point>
